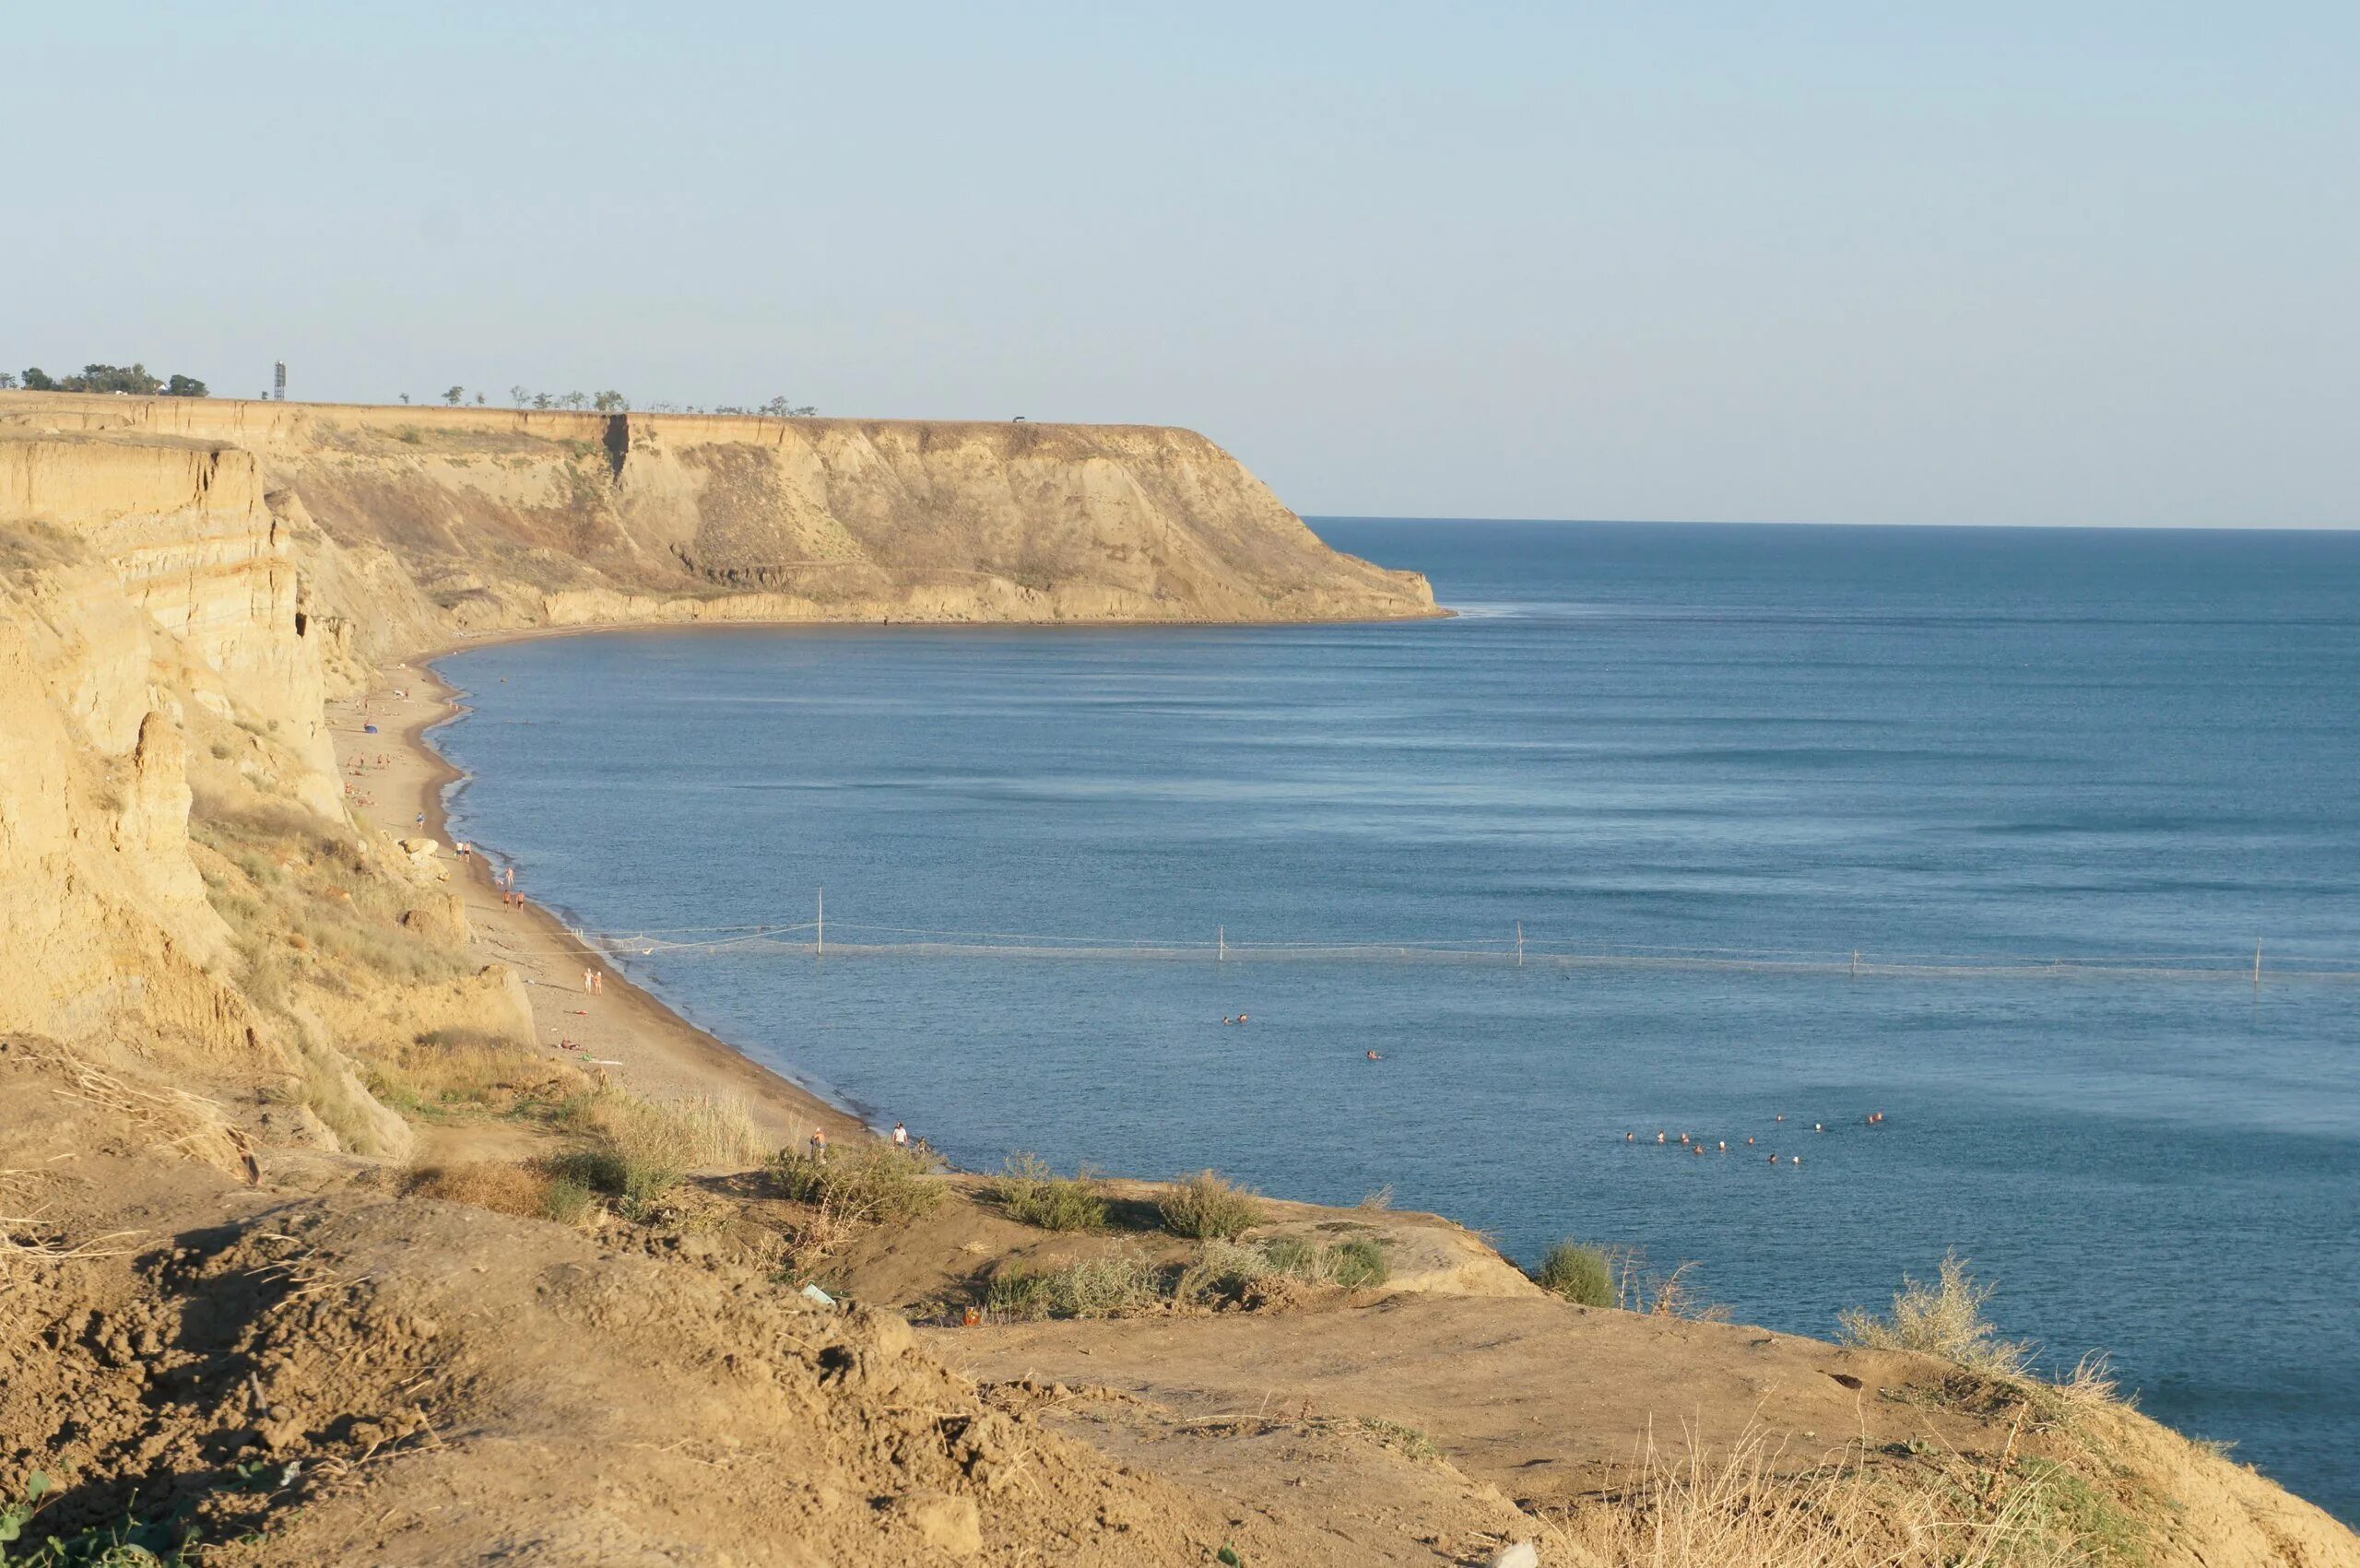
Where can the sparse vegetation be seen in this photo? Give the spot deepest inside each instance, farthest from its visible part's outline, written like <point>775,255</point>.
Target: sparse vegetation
<point>1583,1275</point>
<point>1206,1206</point>
<point>641,1148</point>
<point>1412,1441</point>
<point>1120,1280</point>
<point>1229,1272</point>
<point>1943,1318</point>
<point>528,1192</point>
<point>876,1184</point>
<point>1751,1507</point>
<point>1030,1190</point>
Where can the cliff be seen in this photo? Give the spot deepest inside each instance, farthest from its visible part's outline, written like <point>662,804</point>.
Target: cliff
<point>315,1238</point>
<point>505,518</point>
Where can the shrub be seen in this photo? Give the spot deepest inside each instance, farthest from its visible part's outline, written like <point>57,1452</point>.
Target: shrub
<point>1583,1275</point>
<point>636,1179</point>
<point>874,1182</point>
<point>1119,1280</point>
<point>1358,1264</point>
<point>1207,1206</point>
<point>1029,1190</point>
<point>1944,1319</point>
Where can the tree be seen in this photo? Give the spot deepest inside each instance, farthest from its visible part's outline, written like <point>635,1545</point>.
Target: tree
<point>131,378</point>
<point>519,396</point>
<point>405,398</point>
<point>479,399</point>
<point>8,380</point>
<point>575,400</point>
<point>542,400</point>
<point>780,408</point>
<point>454,396</point>
<point>185,386</point>
<point>610,403</point>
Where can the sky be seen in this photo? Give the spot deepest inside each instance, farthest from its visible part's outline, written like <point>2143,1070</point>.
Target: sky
<point>1999,263</point>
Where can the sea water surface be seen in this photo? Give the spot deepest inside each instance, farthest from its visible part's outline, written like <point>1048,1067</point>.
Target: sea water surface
<point>1963,753</point>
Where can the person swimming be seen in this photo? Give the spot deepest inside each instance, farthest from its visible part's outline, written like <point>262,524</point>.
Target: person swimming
<point>1375,1057</point>
<point>1725,1146</point>
<point>1659,1137</point>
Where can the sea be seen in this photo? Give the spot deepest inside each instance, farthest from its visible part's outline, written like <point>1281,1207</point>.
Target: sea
<point>2043,845</point>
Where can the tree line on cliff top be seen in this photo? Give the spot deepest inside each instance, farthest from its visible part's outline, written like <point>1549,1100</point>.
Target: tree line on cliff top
<point>132,379</point>
<point>612,402</point>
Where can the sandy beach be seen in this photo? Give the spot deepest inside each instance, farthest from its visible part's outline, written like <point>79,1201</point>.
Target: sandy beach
<point>623,1030</point>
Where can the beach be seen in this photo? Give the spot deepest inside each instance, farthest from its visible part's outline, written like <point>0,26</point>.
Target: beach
<point>622,1030</point>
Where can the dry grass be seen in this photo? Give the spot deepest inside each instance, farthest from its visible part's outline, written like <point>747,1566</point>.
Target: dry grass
<point>1750,1508</point>
<point>1208,1205</point>
<point>173,1119</point>
<point>639,1149</point>
<point>521,1190</point>
<point>1119,1280</point>
<point>701,1133</point>
<point>1226,1270</point>
<point>464,1068</point>
<point>1945,1319</point>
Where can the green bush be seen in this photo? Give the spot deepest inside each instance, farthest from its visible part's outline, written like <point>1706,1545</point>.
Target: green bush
<point>873,1182</point>
<point>1029,1190</point>
<point>632,1177</point>
<point>1583,1275</point>
<point>1208,1207</point>
<point>1358,1264</point>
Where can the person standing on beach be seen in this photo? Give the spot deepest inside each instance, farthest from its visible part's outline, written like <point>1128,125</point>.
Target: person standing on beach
<point>589,981</point>
<point>901,1136</point>
<point>820,1144</point>
<point>598,982</point>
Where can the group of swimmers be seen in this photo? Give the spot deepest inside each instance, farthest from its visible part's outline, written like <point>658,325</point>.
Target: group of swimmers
<point>1697,1145</point>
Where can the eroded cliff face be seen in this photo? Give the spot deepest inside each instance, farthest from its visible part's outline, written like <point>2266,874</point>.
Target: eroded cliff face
<point>510,517</point>
<point>182,583</point>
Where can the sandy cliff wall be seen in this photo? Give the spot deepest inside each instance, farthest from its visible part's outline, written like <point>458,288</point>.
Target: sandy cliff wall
<point>515,517</point>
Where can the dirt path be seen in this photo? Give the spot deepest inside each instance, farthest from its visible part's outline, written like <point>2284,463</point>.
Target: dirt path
<point>634,1036</point>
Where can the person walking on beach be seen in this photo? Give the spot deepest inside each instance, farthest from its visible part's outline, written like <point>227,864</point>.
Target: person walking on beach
<point>598,982</point>
<point>589,981</point>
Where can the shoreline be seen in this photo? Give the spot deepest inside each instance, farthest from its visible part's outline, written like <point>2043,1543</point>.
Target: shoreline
<point>625,1029</point>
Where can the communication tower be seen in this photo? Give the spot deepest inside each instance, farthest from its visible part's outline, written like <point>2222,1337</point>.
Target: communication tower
<point>278,381</point>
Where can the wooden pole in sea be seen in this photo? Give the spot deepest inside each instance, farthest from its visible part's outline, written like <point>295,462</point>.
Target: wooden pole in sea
<point>820,949</point>
<point>1520,944</point>
<point>1221,944</point>
<point>2257,966</point>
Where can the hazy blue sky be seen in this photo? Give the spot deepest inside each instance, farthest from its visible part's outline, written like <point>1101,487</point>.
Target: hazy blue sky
<point>2000,262</point>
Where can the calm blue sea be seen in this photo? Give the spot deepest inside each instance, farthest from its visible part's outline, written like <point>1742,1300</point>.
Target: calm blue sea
<point>1943,747</point>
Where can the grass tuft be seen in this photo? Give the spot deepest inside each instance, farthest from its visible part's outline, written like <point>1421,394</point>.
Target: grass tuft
<point>1583,1275</point>
<point>1028,1189</point>
<point>1206,1206</point>
<point>1943,1318</point>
